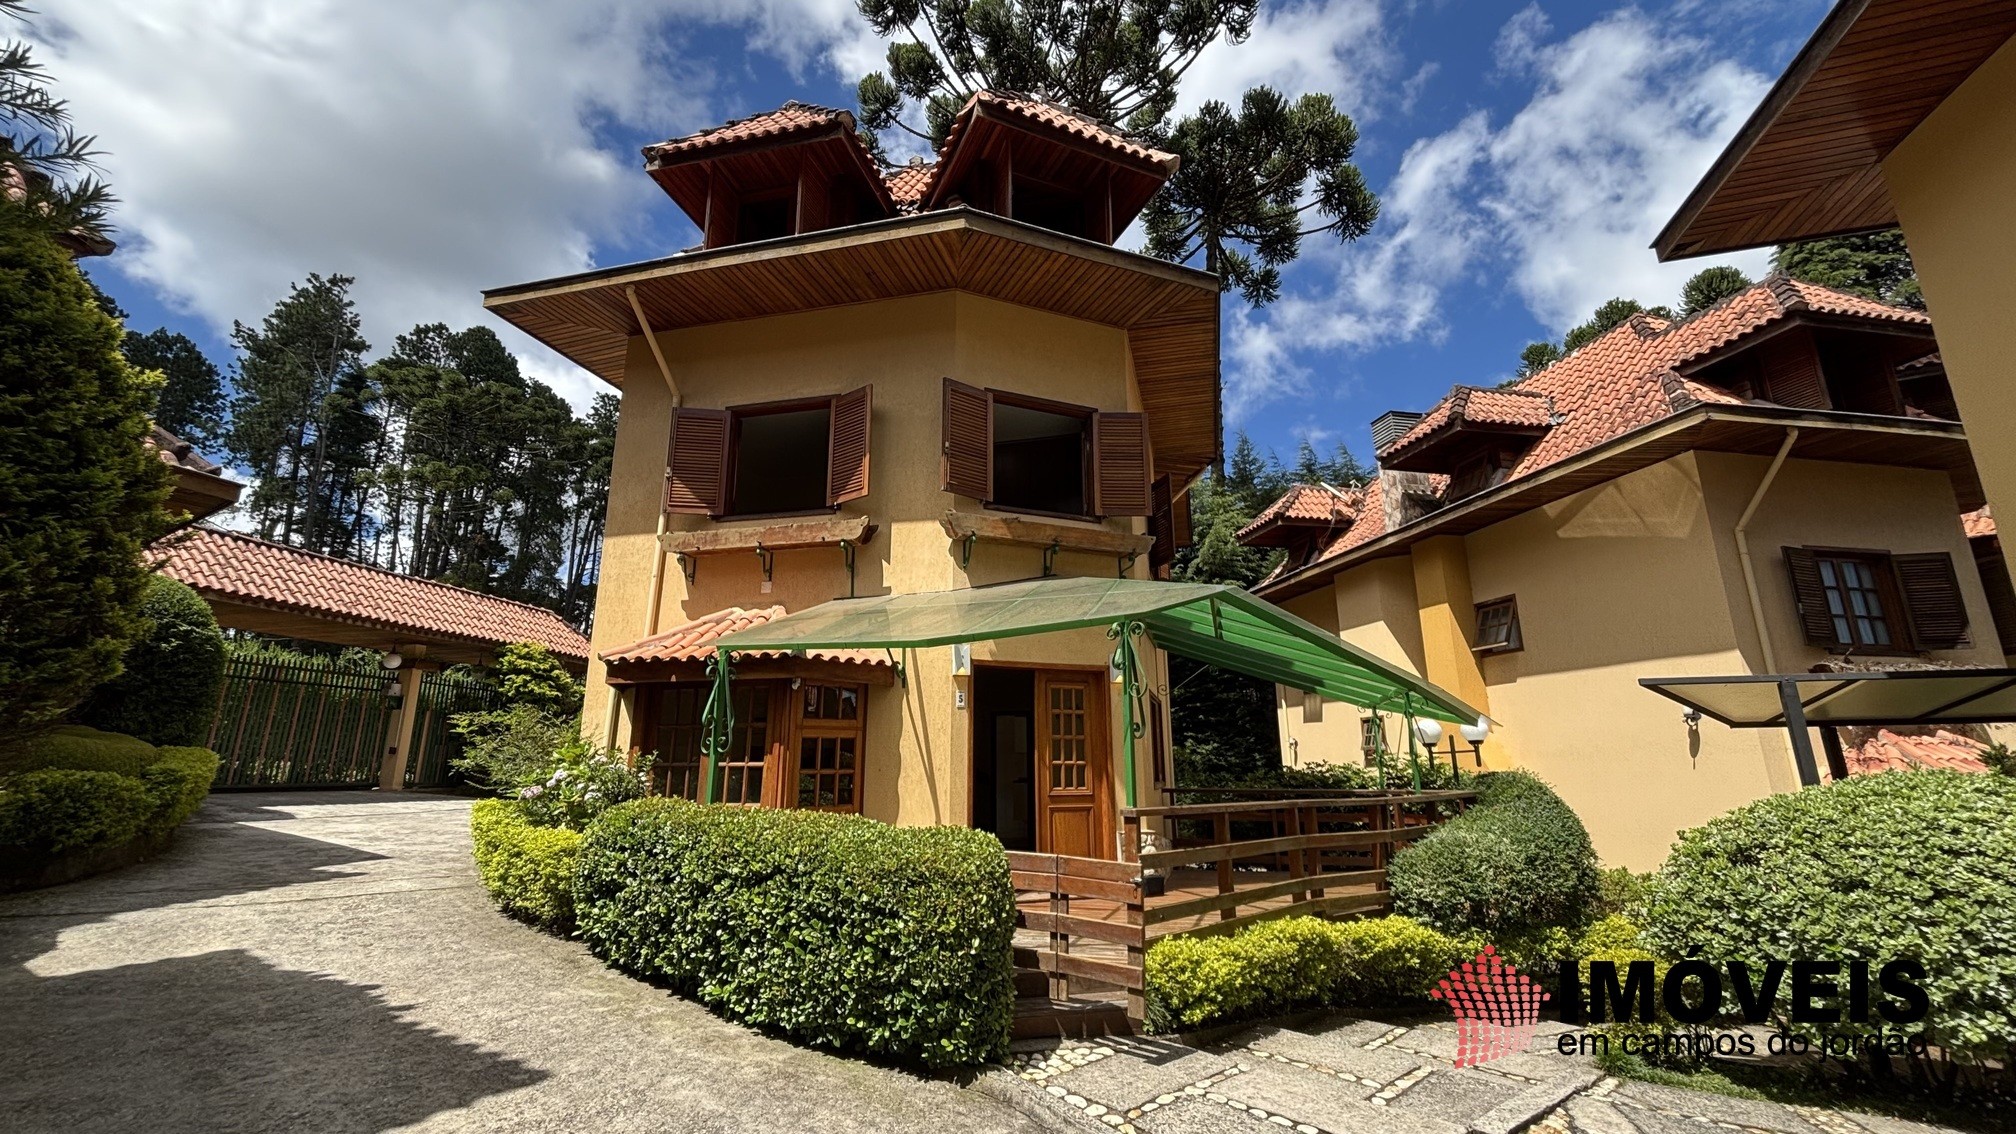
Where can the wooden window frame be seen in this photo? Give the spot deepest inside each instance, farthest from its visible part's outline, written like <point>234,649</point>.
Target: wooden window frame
<point>1089,459</point>
<point>803,728</point>
<point>1371,738</point>
<point>1894,612</point>
<point>1516,633</point>
<point>786,725</point>
<point>738,414</point>
<point>729,425</point>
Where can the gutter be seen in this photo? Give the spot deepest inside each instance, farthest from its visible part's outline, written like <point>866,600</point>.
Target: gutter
<point>1743,549</point>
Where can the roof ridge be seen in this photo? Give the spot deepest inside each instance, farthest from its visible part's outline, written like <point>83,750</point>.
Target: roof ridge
<point>302,551</point>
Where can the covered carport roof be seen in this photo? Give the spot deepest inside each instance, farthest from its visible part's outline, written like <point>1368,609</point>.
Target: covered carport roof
<point>1797,701</point>
<point>1220,625</point>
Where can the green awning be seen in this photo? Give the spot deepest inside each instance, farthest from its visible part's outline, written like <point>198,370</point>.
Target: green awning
<point>1220,625</point>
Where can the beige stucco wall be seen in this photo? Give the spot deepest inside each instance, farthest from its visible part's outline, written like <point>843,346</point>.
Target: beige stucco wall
<point>1954,183</point>
<point>1639,577</point>
<point>918,753</point>
<point>1372,607</point>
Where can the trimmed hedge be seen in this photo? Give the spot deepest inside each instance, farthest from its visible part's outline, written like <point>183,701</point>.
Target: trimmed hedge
<point>167,691</point>
<point>1294,963</point>
<point>1918,864</point>
<point>1515,864</point>
<point>834,930</point>
<point>84,791</point>
<point>528,870</point>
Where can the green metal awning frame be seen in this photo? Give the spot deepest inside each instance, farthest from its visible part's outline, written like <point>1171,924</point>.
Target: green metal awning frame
<point>1212,623</point>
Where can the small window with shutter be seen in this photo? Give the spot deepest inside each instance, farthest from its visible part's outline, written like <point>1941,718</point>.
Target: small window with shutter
<point>771,459</point>
<point>1874,602</point>
<point>1022,454</point>
<point>1498,626</point>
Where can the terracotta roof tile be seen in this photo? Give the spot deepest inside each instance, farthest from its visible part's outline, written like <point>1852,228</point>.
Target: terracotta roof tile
<point>908,183</point>
<point>1889,752</point>
<point>1308,503</point>
<point>176,452</point>
<point>1623,380</point>
<point>240,568</point>
<point>1481,405</point>
<point>1043,113</point>
<point>792,118</point>
<point>694,641</point>
<point>1979,522</point>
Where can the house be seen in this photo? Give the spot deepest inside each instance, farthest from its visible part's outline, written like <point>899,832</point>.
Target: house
<point>1773,483</point>
<point>1896,112</point>
<point>870,384</point>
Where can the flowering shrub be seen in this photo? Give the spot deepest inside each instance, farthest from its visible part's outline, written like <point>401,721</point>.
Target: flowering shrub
<point>584,782</point>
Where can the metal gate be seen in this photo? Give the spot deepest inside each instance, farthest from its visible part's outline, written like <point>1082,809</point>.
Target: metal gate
<point>289,723</point>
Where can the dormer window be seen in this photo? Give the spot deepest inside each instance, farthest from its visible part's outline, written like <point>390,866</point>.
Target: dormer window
<point>1476,436</point>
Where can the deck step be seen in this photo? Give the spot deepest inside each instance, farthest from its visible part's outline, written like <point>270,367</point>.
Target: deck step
<point>1040,1016</point>
<point>1032,982</point>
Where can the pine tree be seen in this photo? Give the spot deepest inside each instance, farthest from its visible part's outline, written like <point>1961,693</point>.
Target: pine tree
<point>1874,265</point>
<point>1537,357</point>
<point>191,404</point>
<point>45,165</point>
<point>80,494</point>
<point>290,371</point>
<point>1710,286</point>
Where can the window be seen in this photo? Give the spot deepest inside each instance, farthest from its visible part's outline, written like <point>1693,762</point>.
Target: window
<point>738,772</point>
<point>1047,206</point>
<point>1876,602</point>
<point>675,739</point>
<point>1312,707</point>
<point>1371,738</point>
<point>776,458</point>
<point>1498,626</point>
<point>1029,455</point>
<point>829,747</point>
<point>765,218</point>
<point>1040,460</point>
<point>779,461</point>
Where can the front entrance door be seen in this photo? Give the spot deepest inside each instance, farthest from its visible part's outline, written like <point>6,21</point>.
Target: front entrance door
<point>1074,783</point>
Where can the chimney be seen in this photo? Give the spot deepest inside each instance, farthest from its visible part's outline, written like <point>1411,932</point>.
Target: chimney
<point>1390,426</point>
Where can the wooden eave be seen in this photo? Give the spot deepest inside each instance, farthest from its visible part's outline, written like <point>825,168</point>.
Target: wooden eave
<point>1284,531</point>
<point>989,130</point>
<point>281,620</point>
<point>1824,435</point>
<point>1812,320</point>
<point>1455,439</point>
<point>1170,312</point>
<point>756,164</point>
<point>202,494</point>
<point>1808,163</point>
<point>621,672</point>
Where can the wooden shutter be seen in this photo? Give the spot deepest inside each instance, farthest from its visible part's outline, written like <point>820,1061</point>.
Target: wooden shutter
<point>1932,594</point>
<point>1162,526</point>
<point>847,447</point>
<point>1120,464</point>
<point>1812,598</point>
<point>696,462</point>
<point>968,466</point>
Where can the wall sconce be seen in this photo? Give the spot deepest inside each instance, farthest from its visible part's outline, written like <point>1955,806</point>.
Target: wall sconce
<point>394,696</point>
<point>1475,733</point>
<point>391,659</point>
<point>962,659</point>
<point>1429,731</point>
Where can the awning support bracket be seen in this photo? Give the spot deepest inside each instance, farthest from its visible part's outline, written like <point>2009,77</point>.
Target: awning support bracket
<point>902,678</point>
<point>687,565</point>
<point>1127,562</point>
<point>1795,725</point>
<point>966,549</point>
<point>768,559</point>
<point>847,551</point>
<point>1130,692</point>
<point>1050,557</point>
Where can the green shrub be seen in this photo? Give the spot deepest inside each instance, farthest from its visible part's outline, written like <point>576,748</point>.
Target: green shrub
<point>528,870</point>
<point>80,748</point>
<point>179,781</point>
<point>84,790</point>
<point>529,674</point>
<point>1610,935</point>
<point>1918,864</point>
<point>541,761</point>
<point>1517,862</point>
<point>80,493</point>
<point>167,692</point>
<point>1294,963</point>
<point>1620,890</point>
<point>53,811</point>
<point>832,929</point>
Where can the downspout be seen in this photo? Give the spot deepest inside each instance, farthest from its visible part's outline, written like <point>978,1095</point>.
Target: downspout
<point>658,540</point>
<point>1743,551</point>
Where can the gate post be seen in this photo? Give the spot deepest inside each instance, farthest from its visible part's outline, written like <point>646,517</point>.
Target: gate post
<point>392,770</point>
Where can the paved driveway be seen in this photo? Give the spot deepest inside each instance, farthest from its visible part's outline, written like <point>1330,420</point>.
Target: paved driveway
<point>327,962</point>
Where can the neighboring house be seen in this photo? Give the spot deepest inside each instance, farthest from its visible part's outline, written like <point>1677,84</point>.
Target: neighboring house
<point>1896,112</point>
<point>201,488</point>
<point>870,385</point>
<point>1771,483</point>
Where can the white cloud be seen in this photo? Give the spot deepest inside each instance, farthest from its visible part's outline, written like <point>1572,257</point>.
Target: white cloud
<point>431,149</point>
<point>1336,47</point>
<point>1558,204</point>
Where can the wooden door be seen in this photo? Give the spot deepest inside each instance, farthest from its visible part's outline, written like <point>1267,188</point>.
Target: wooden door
<point>1074,782</point>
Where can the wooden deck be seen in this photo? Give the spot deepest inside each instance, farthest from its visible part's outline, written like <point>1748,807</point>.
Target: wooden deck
<point>1083,926</point>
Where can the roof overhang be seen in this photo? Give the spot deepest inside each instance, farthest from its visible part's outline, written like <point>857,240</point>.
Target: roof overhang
<point>1441,447</point>
<point>1871,698</point>
<point>1808,163</point>
<point>311,624</point>
<point>984,129</point>
<point>686,175</point>
<point>1757,429</point>
<point>1809,320</point>
<point>1170,312</point>
<point>202,494</point>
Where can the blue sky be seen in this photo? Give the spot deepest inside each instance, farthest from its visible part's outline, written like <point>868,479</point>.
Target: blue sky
<point>1525,154</point>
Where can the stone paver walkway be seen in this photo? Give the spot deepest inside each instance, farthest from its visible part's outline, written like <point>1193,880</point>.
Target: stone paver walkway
<point>318,962</point>
<point>1349,1076</point>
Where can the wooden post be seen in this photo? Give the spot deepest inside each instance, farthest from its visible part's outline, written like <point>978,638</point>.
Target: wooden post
<point>392,772</point>
<point>1221,833</point>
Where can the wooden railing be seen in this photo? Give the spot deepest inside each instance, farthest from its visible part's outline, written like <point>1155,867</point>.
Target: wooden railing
<point>1214,868</point>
